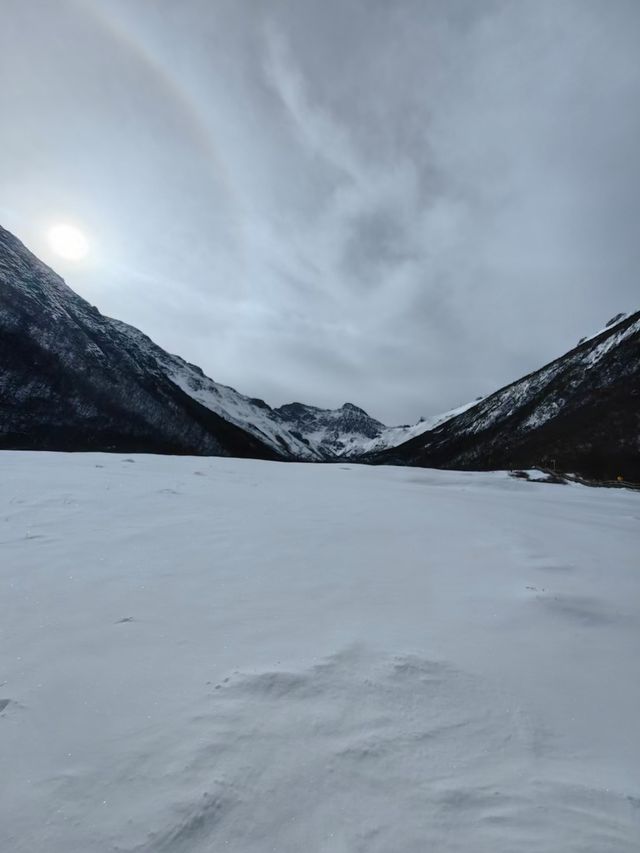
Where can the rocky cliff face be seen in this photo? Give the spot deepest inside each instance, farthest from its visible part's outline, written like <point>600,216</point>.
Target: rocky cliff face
<point>579,413</point>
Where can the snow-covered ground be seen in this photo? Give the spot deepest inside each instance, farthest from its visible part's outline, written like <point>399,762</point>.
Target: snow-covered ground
<point>213,654</point>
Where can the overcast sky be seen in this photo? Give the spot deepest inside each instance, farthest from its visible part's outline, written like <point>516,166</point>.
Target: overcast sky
<point>400,204</point>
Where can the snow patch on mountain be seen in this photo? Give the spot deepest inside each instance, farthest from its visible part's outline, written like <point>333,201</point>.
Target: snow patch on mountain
<point>249,413</point>
<point>594,356</point>
<point>393,436</point>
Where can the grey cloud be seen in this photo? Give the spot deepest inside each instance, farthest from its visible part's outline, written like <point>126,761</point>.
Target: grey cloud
<point>401,204</point>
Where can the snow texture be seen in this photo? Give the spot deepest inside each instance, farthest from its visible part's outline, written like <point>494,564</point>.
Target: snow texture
<point>208,654</point>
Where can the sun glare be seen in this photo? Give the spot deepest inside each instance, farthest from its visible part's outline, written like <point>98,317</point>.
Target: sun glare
<point>68,242</point>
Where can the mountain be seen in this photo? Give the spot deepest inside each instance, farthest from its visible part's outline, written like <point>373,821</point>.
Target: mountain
<point>349,431</point>
<point>72,379</point>
<point>331,432</point>
<point>249,413</point>
<point>580,413</point>
<point>393,436</point>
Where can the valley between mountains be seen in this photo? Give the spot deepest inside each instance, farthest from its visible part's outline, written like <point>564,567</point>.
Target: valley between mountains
<point>73,379</point>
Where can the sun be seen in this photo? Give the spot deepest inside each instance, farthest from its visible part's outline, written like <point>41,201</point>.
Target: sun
<point>68,242</point>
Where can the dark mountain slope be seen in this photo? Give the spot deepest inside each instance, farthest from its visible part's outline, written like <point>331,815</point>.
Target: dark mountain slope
<point>71,379</point>
<point>579,413</point>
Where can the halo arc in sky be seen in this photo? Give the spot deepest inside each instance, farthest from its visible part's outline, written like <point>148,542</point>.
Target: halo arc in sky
<point>199,128</point>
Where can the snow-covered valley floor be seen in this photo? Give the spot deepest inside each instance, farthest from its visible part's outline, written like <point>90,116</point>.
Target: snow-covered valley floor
<point>225,655</point>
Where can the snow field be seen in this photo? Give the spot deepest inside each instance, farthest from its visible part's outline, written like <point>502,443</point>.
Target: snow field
<point>213,654</point>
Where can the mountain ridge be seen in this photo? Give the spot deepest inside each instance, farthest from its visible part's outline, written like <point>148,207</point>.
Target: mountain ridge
<point>56,348</point>
<point>63,363</point>
<point>580,412</point>
<point>73,379</point>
